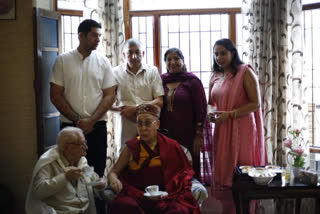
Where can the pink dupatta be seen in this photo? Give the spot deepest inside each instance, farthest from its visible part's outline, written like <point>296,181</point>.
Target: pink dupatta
<point>236,139</point>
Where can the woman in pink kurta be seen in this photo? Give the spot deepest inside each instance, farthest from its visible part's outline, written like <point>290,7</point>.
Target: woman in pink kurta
<point>238,136</point>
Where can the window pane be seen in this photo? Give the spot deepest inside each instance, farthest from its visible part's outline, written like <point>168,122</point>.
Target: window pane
<point>174,40</point>
<point>143,38</point>
<point>205,52</point>
<point>194,23</point>
<point>163,65</point>
<point>142,24</point>
<point>215,36</point>
<point>195,52</point>
<point>67,42</point>
<point>195,37</point>
<point>75,41</point>
<point>184,23</point>
<point>225,27</point>
<point>70,4</point>
<point>164,31</point>
<point>149,56</point>
<point>135,27</point>
<point>215,22</point>
<point>142,29</point>
<point>239,35</point>
<point>149,32</point>
<point>174,23</point>
<point>67,24</point>
<point>70,32</point>
<point>205,22</point>
<point>205,77</point>
<point>316,39</point>
<point>309,1</point>
<point>75,21</point>
<point>307,17</point>
<point>312,71</point>
<point>185,48</point>
<point>182,4</point>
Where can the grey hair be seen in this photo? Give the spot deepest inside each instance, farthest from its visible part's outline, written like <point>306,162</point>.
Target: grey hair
<point>67,134</point>
<point>132,42</point>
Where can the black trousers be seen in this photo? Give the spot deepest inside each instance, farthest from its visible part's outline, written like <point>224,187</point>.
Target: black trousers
<point>96,153</point>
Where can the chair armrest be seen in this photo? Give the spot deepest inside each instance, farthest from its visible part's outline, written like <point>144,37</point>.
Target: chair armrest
<point>109,194</point>
<point>199,191</point>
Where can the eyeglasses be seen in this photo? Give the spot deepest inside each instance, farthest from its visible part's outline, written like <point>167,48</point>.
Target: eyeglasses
<point>146,123</point>
<point>79,144</point>
<point>137,53</point>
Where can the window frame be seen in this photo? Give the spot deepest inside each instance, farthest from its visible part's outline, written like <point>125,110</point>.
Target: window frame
<point>67,12</point>
<point>77,13</point>
<point>313,148</point>
<point>128,14</point>
<point>311,6</point>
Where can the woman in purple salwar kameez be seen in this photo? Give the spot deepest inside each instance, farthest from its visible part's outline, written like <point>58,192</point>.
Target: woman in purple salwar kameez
<point>184,111</point>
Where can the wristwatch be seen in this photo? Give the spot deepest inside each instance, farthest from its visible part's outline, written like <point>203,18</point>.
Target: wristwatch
<point>76,118</point>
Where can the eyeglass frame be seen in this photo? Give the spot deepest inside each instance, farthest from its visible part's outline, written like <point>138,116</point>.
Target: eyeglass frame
<point>146,124</point>
<point>137,53</point>
<point>79,144</point>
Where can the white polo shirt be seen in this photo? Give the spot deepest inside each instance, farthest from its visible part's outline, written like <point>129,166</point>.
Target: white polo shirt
<point>135,89</point>
<point>83,80</point>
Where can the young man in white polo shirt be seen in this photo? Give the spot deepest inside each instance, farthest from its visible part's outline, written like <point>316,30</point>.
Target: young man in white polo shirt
<point>137,83</point>
<point>83,89</point>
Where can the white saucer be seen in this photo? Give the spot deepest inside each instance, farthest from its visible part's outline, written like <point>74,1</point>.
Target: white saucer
<point>160,193</point>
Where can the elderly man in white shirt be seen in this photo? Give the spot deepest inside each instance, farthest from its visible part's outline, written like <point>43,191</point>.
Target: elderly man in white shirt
<point>137,83</point>
<point>61,178</point>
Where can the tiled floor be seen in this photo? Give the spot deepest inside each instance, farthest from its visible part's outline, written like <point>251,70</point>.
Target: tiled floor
<point>225,206</point>
<point>211,206</point>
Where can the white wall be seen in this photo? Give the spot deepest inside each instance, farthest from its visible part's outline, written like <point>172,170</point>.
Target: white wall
<point>18,134</point>
<point>44,4</point>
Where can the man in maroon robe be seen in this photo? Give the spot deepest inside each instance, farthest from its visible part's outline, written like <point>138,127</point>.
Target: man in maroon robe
<point>151,159</point>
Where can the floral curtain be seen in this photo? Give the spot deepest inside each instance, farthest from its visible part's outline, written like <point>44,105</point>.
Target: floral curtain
<point>274,41</point>
<point>110,14</point>
<point>273,44</point>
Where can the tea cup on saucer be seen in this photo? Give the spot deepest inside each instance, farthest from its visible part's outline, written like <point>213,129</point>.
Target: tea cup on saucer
<point>152,190</point>
<point>87,171</point>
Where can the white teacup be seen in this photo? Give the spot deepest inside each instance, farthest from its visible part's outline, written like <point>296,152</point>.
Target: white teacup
<point>152,190</point>
<point>87,171</point>
<point>211,111</point>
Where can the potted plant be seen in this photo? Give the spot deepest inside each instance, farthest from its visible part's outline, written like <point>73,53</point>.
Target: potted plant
<point>296,146</point>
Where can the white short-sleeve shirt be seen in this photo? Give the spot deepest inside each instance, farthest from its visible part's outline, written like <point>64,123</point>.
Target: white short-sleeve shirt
<point>83,80</point>
<point>135,89</point>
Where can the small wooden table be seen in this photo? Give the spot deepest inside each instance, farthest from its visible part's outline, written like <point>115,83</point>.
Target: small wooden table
<point>244,190</point>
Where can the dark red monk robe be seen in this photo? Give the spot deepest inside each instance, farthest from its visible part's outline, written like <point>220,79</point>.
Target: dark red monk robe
<point>176,174</point>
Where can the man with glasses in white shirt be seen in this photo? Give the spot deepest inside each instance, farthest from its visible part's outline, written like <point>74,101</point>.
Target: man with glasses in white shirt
<point>137,83</point>
<point>59,182</point>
